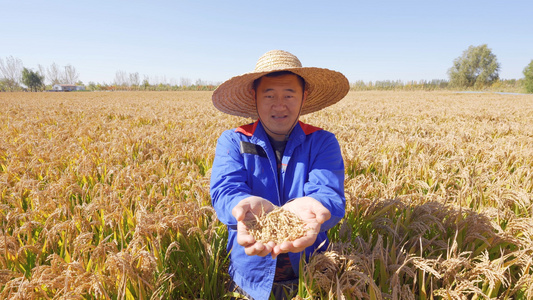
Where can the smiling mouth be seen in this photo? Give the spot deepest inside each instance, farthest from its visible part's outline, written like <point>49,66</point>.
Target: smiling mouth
<point>279,117</point>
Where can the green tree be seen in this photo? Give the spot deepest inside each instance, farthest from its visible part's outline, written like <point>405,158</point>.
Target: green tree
<point>528,82</point>
<point>91,86</point>
<point>4,86</point>
<point>32,79</point>
<point>146,84</point>
<point>477,67</point>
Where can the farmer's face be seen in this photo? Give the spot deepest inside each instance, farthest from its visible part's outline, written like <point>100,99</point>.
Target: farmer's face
<point>279,100</point>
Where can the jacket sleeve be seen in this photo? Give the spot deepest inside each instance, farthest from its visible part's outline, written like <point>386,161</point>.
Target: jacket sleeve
<point>228,178</point>
<point>326,179</point>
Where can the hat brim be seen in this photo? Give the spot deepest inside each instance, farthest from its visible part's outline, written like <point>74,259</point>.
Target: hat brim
<point>324,88</point>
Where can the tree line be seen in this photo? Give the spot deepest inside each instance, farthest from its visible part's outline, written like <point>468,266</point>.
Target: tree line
<point>124,81</point>
<point>16,77</point>
<point>501,85</point>
<point>476,69</point>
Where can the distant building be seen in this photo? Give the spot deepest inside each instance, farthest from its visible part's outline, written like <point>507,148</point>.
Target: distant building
<point>67,87</point>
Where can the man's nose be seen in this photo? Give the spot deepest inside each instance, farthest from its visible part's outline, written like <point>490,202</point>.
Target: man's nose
<point>278,102</point>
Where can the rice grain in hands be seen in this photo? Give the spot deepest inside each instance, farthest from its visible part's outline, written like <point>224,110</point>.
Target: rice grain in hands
<point>279,226</point>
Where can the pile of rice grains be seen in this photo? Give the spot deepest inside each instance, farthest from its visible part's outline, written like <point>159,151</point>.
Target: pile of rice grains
<point>278,226</point>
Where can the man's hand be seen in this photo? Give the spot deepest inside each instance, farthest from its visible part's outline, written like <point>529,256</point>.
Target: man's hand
<point>313,214</point>
<point>247,210</point>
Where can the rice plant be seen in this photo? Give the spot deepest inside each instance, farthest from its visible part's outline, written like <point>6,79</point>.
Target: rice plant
<point>106,196</point>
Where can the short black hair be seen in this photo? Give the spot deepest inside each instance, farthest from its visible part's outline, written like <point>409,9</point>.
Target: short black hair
<point>276,74</point>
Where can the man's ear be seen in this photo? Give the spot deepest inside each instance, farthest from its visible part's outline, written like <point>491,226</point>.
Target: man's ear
<point>304,97</point>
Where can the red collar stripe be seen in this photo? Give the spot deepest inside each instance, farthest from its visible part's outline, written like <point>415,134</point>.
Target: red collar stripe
<point>249,129</point>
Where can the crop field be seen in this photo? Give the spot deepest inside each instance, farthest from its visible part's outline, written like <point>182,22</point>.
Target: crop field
<point>106,196</point>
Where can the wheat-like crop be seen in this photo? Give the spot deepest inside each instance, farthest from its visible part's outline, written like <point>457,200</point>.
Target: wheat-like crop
<point>106,196</point>
<point>439,190</point>
<point>101,194</point>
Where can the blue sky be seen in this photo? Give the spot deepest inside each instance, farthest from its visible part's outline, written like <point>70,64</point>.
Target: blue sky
<point>215,40</point>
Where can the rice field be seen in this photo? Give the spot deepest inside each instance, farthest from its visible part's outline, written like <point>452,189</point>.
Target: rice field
<point>106,196</point>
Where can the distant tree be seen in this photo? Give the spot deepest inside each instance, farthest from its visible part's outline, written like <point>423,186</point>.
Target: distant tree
<point>53,74</point>
<point>42,72</point>
<point>121,78</point>
<point>528,73</point>
<point>146,83</point>
<point>135,80</point>
<point>71,76</point>
<point>477,67</point>
<point>185,82</point>
<point>101,86</point>
<point>33,80</point>
<point>11,71</point>
<point>91,86</point>
<point>199,82</point>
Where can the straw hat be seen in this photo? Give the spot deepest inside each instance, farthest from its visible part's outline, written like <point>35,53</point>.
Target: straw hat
<point>324,87</point>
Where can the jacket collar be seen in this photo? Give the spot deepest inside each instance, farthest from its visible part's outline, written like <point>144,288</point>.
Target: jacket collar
<point>249,129</point>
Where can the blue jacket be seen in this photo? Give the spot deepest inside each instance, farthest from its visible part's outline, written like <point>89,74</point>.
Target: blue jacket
<point>245,165</point>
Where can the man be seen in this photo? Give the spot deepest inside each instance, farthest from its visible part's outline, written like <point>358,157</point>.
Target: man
<point>277,161</point>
